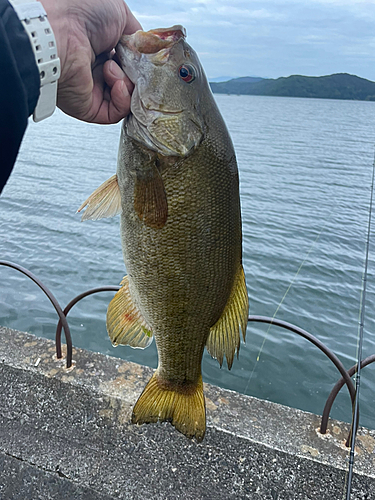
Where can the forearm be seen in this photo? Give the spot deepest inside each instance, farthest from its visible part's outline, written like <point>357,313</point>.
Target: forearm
<point>19,86</point>
<point>92,87</point>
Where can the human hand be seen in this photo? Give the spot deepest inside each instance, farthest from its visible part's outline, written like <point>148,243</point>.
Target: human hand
<point>92,86</point>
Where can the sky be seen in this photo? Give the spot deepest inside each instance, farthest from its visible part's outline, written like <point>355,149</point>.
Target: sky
<point>271,38</point>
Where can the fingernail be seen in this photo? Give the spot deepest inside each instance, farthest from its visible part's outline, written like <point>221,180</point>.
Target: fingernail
<point>116,71</point>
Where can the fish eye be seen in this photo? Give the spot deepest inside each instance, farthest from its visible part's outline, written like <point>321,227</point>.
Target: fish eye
<point>186,73</point>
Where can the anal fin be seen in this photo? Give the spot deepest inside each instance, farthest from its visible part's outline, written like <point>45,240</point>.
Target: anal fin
<point>181,404</point>
<point>224,338</point>
<point>125,324</point>
<point>105,201</point>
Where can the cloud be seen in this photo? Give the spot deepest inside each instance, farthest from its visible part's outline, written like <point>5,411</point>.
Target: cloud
<point>272,37</point>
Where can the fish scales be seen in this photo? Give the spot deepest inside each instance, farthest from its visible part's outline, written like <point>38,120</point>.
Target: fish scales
<point>180,227</point>
<point>182,274</point>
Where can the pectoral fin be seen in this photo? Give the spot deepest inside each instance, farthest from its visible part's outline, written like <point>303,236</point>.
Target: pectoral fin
<point>224,336</point>
<point>125,324</point>
<point>150,198</point>
<point>105,201</point>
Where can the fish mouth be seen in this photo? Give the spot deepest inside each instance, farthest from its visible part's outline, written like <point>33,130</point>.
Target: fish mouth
<point>154,45</point>
<point>152,41</point>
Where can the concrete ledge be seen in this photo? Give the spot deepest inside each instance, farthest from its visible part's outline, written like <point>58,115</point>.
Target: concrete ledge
<point>66,435</point>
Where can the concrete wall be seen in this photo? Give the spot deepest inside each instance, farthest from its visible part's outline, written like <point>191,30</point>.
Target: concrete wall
<point>66,435</point>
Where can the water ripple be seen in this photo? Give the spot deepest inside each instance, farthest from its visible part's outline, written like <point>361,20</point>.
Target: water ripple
<point>305,170</point>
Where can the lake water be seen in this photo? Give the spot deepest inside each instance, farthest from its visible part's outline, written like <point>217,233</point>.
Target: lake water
<point>305,170</point>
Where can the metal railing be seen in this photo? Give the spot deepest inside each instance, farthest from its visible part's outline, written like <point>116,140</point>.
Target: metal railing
<point>63,324</point>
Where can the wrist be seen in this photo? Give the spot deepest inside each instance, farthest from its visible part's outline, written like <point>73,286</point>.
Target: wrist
<point>56,19</point>
<point>68,26</point>
<point>35,22</point>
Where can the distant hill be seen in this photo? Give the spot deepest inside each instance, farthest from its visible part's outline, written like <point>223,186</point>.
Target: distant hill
<point>221,79</point>
<point>246,79</point>
<point>338,86</point>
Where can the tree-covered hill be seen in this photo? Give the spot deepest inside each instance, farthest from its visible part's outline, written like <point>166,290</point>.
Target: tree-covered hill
<point>337,86</point>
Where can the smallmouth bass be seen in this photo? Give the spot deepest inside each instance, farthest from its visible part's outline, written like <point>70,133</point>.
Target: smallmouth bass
<point>177,190</point>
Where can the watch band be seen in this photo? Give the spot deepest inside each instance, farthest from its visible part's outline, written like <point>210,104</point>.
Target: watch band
<point>36,24</point>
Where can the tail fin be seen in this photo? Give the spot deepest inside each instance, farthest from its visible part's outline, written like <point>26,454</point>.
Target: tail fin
<point>182,405</point>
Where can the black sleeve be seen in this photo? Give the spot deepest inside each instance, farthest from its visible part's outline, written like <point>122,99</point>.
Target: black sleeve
<point>19,86</point>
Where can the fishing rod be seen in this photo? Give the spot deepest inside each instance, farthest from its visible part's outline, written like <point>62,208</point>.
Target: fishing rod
<point>360,344</point>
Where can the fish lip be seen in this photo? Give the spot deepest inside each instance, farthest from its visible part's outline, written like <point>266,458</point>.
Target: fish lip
<point>148,43</point>
<point>153,41</point>
<point>156,43</point>
<point>124,52</point>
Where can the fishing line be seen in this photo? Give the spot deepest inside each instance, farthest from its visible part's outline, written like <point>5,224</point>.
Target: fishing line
<point>359,349</point>
<point>282,300</point>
